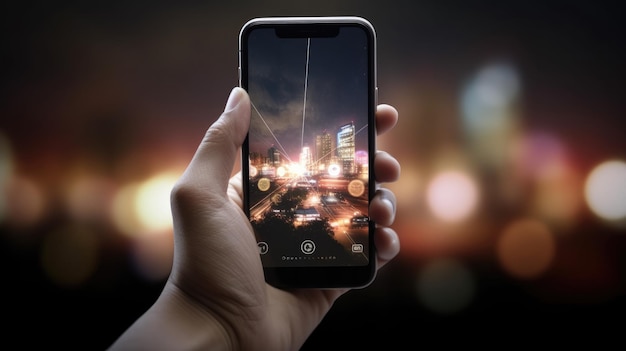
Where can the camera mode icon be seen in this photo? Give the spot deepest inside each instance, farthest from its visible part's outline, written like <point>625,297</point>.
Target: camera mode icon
<point>307,247</point>
<point>263,247</point>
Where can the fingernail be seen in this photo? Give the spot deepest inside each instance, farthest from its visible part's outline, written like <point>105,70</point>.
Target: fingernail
<point>233,99</point>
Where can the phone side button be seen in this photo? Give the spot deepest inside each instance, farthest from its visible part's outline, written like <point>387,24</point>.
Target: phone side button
<point>376,96</point>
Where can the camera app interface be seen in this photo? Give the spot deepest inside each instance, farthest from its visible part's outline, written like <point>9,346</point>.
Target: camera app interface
<point>308,148</point>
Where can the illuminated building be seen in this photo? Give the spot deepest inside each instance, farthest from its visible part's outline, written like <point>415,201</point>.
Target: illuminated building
<point>324,146</point>
<point>273,156</point>
<point>306,159</point>
<point>346,148</point>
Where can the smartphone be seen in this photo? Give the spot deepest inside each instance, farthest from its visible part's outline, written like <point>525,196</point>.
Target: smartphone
<point>308,159</point>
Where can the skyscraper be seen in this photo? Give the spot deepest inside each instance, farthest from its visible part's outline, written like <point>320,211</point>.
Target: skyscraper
<point>346,148</point>
<point>306,159</point>
<point>274,156</point>
<point>324,149</point>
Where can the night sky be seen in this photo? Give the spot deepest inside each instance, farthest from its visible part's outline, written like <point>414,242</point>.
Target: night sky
<point>336,91</point>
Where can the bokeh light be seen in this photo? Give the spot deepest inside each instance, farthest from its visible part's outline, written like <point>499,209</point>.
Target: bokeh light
<point>280,172</point>
<point>526,248</point>
<point>6,171</point>
<point>153,254</point>
<point>141,208</point>
<point>334,170</point>
<point>152,203</point>
<point>605,190</point>
<point>557,197</point>
<point>537,152</point>
<point>253,171</point>
<point>452,195</point>
<point>489,111</point>
<point>496,85</point>
<point>25,202</point>
<point>124,216</point>
<point>445,286</point>
<point>90,198</point>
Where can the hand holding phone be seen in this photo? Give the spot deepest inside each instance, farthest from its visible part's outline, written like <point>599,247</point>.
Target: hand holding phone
<point>308,159</point>
<point>216,301</point>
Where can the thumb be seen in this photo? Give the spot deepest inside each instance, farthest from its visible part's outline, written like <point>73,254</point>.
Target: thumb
<point>213,161</point>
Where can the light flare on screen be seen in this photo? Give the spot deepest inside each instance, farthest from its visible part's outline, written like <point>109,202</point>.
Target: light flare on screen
<point>446,286</point>
<point>280,171</point>
<point>253,171</point>
<point>526,248</point>
<point>452,195</point>
<point>605,190</point>
<point>334,170</point>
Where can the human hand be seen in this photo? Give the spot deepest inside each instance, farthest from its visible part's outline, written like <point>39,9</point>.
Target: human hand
<point>216,294</point>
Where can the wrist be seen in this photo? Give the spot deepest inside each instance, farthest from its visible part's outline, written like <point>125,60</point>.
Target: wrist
<point>177,322</point>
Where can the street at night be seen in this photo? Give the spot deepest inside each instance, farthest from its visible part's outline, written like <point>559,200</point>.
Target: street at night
<point>300,202</point>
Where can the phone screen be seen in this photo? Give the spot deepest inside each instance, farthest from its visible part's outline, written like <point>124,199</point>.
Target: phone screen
<point>308,158</point>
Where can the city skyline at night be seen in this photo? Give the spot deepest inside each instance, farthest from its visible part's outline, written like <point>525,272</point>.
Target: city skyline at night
<point>303,87</point>
<point>331,152</point>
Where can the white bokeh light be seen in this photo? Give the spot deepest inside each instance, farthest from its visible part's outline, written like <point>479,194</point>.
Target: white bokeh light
<point>153,202</point>
<point>605,190</point>
<point>334,170</point>
<point>142,208</point>
<point>452,195</point>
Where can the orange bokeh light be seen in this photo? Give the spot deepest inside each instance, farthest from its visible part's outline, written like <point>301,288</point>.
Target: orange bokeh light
<point>526,248</point>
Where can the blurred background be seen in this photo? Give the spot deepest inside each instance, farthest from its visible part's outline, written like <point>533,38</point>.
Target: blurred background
<point>511,202</point>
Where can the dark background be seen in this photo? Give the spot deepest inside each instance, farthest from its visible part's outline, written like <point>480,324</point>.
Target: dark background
<point>112,93</point>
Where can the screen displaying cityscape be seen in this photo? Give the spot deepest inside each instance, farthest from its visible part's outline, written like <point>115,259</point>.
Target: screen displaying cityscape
<point>308,148</point>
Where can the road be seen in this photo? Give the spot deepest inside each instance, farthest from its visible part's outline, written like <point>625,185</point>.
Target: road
<point>338,209</point>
